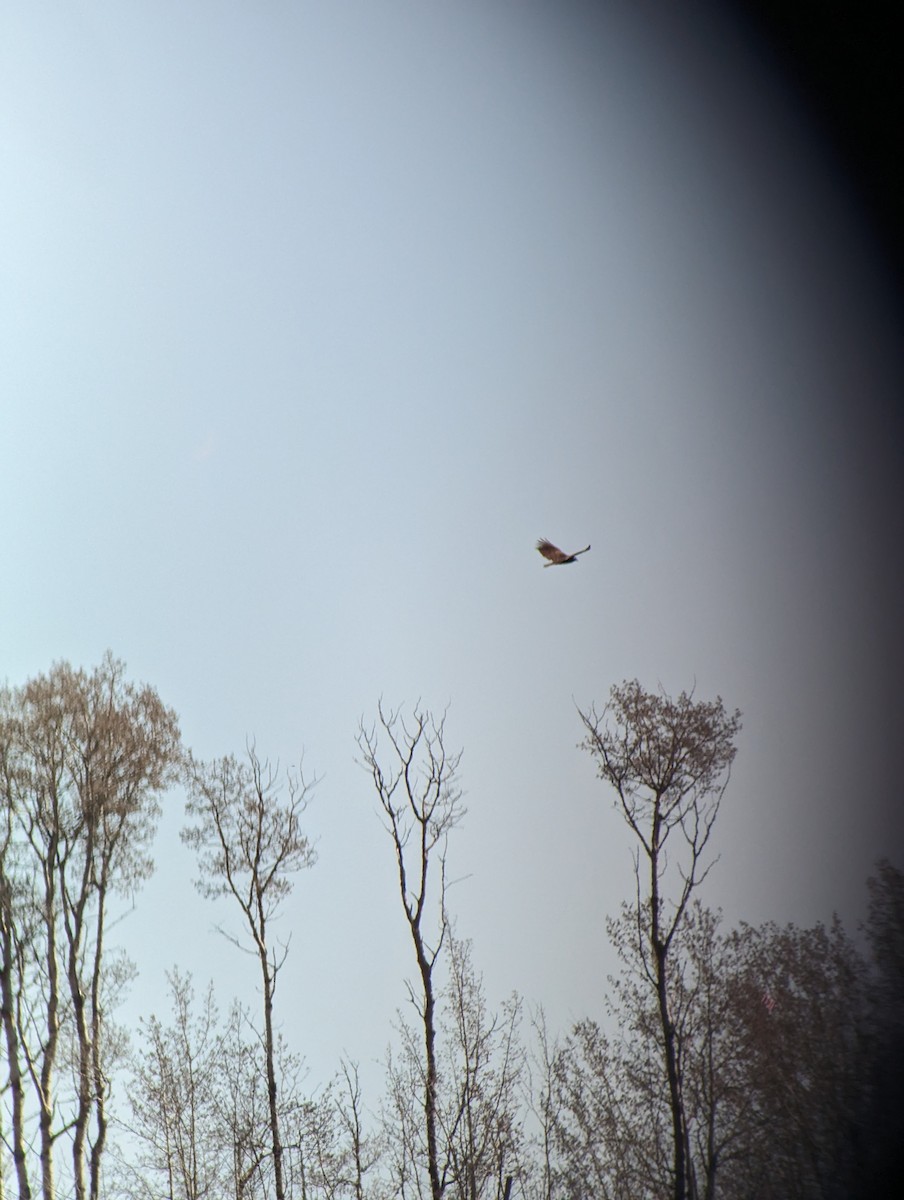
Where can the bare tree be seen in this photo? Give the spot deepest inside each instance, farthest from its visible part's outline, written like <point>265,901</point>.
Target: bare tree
<point>608,1118</point>
<point>456,1082</point>
<point>668,762</point>
<point>329,1152</point>
<point>420,799</point>
<point>174,1097</point>
<point>543,1102</point>
<point>248,837</point>
<point>200,1123</point>
<point>84,756</point>
<point>485,1075</point>
<point>362,1150</point>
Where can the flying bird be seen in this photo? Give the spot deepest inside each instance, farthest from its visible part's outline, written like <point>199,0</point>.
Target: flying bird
<point>556,556</point>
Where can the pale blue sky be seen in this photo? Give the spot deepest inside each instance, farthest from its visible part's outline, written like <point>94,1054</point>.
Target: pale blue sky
<point>315,316</point>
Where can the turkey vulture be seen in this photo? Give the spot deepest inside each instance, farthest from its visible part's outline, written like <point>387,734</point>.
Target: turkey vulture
<point>556,556</point>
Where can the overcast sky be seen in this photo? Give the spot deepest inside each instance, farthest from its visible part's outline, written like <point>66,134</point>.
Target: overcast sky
<point>315,316</point>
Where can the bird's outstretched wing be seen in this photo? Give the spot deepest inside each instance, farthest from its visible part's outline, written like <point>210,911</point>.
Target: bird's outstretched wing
<point>553,553</point>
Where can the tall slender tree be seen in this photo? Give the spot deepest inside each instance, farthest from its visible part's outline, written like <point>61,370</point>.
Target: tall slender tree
<point>417,787</point>
<point>668,763</point>
<point>245,826</point>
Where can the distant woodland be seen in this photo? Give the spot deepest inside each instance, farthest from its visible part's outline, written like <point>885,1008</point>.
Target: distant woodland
<point>747,1063</point>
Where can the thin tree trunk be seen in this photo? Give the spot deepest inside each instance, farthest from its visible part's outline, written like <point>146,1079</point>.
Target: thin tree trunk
<point>431,1079</point>
<point>660,953</point>
<point>671,1066</point>
<point>98,1080</point>
<point>48,1056</point>
<point>74,934</point>
<point>8,1001</point>
<point>271,1074</point>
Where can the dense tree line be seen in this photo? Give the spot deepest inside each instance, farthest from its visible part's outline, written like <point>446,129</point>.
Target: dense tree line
<point>739,1063</point>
